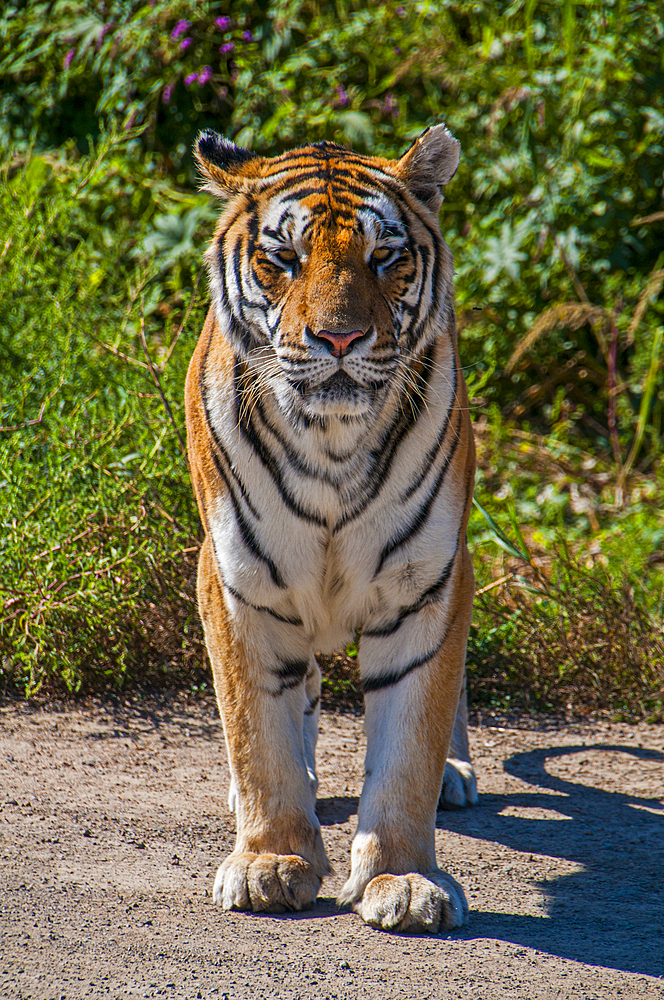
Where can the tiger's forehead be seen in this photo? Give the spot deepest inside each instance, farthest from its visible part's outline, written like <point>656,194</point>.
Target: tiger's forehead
<point>304,209</point>
<point>326,162</point>
<point>326,186</point>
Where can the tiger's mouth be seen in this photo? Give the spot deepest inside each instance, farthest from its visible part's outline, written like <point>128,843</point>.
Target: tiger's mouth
<point>340,394</point>
<point>339,385</point>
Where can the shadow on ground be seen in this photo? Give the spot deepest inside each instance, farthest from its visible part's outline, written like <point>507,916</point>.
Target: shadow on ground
<point>611,912</point>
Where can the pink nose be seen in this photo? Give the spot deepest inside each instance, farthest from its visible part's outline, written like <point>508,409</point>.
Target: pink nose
<point>339,343</point>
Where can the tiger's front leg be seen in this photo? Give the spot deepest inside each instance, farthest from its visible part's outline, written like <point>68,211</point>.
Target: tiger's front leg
<point>279,860</point>
<point>412,691</point>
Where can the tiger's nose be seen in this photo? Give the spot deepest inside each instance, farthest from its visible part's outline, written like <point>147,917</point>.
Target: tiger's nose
<point>338,344</point>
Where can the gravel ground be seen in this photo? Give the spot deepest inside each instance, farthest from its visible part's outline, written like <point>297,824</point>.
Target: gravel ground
<point>113,821</point>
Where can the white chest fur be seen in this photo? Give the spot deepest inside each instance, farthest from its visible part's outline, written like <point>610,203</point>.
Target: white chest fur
<point>338,525</point>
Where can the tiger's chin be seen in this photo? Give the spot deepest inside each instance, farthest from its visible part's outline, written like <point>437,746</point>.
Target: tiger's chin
<point>339,396</point>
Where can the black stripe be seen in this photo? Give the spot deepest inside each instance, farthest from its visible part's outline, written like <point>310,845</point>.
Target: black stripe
<point>202,388</point>
<point>249,431</point>
<point>354,186</point>
<point>291,668</point>
<point>432,454</point>
<point>312,706</point>
<point>291,456</point>
<point>247,534</point>
<point>239,332</point>
<point>260,607</point>
<point>422,514</point>
<point>321,167</point>
<point>301,193</point>
<point>307,190</point>
<point>381,458</point>
<point>291,674</point>
<point>431,270</point>
<point>252,227</point>
<point>394,676</point>
<point>239,252</point>
<point>250,539</point>
<point>220,452</point>
<point>433,592</point>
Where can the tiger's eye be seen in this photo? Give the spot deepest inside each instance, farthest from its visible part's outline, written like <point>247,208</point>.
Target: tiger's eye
<point>381,253</point>
<point>286,256</point>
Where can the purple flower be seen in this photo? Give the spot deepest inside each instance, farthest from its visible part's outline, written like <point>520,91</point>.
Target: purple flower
<point>223,23</point>
<point>188,80</point>
<point>102,34</point>
<point>68,58</point>
<point>184,44</point>
<point>341,99</point>
<point>391,105</point>
<point>226,48</point>
<point>397,50</point>
<point>166,96</point>
<point>401,11</point>
<point>180,29</point>
<point>204,75</point>
<point>247,36</point>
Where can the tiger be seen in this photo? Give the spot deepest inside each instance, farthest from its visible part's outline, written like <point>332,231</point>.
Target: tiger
<point>332,458</point>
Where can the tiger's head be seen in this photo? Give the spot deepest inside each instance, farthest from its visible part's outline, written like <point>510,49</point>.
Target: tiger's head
<point>328,271</point>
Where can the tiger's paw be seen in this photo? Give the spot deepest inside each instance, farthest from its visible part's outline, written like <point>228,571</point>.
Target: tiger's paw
<point>267,883</point>
<point>413,903</point>
<point>459,785</point>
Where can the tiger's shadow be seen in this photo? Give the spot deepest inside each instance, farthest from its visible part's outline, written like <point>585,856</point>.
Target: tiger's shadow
<point>336,809</point>
<point>609,912</point>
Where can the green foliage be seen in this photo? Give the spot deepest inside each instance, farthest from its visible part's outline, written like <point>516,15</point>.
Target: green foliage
<point>569,610</point>
<point>581,642</point>
<point>95,507</point>
<point>555,220</point>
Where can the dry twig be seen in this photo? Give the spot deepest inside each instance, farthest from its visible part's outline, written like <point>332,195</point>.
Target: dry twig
<point>569,314</point>
<point>183,323</point>
<point>154,372</point>
<point>651,291</point>
<point>118,354</point>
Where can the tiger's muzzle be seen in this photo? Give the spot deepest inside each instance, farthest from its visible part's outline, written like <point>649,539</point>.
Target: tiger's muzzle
<point>338,343</point>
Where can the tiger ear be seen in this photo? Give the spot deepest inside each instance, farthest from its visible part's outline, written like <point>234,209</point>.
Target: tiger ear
<point>223,164</point>
<point>429,164</point>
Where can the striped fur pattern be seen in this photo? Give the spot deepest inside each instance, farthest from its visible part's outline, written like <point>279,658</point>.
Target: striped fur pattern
<point>332,458</point>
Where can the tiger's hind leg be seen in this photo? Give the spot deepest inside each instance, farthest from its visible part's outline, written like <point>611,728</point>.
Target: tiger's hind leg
<point>312,689</point>
<point>279,861</point>
<point>459,781</point>
<point>411,699</point>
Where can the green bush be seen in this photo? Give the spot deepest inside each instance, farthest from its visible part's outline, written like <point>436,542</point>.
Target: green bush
<point>97,521</point>
<point>555,220</point>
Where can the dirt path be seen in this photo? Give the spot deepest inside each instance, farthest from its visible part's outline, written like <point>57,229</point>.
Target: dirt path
<point>113,821</point>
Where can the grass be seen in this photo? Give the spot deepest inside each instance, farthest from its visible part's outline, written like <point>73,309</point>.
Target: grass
<point>98,527</point>
<point>586,645</point>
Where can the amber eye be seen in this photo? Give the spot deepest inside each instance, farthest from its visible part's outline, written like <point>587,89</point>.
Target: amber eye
<point>286,256</point>
<point>381,253</point>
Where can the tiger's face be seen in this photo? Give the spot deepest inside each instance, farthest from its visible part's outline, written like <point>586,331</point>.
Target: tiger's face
<point>328,271</point>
